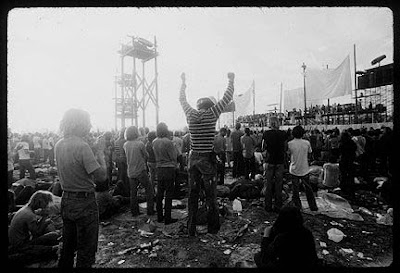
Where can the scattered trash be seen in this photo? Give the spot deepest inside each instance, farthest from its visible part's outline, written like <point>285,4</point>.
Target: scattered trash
<point>386,219</point>
<point>241,232</point>
<point>155,242</point>
<point>325,252</point>
<point>335,235</point>
<point>203,240</point>
<point>227,252</point>
<point>237,205</point>
<point>121,262</point>
<point>267,222</point>
<point>123,252</point>
<point>333,223</point>
<point>110,244</point>
<point>153,255</point>
<point>365,211</point>
<point>156,248</point>
<point>360,255</point>
<point>145,245</point>
<point>104,224</point>
<point>347,250</point>
<point>366,232</point>
<point>322,244</point>
<point>145,233</point>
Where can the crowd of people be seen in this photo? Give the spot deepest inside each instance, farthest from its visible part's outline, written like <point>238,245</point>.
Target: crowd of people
<point>135,157</point>
<point>318,114</point>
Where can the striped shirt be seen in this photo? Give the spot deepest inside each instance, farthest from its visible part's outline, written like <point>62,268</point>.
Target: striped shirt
<point>202,123</point>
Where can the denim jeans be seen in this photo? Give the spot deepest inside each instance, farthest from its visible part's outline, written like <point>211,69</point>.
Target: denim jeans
<point>26,164</point>
<point>166,178</point>
<point>202,171</point>
<point>122,171</point>
<point>80,217</point>
<point>237,169</point>
<point>221,169</point>
<point>308,189</point>
<point>152,172</point>
<point>249,167</point>
<point>143,179</point>
<point>274,177</point>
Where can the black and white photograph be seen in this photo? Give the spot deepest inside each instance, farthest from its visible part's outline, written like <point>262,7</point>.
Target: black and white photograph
<point>200,137</point>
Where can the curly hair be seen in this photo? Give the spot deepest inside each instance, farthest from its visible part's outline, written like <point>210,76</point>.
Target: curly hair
<point>162,130</point>
<point>131,133</point>
<point>75,122</point>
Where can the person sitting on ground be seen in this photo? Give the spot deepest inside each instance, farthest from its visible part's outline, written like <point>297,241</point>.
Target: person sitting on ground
<point>287,242</point>
<point>331,173</point>
<point>30,233</point>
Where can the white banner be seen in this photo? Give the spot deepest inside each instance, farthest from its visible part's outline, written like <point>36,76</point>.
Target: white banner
<point>328,83</point>
<point>293,99</point>
<point>321,85</point>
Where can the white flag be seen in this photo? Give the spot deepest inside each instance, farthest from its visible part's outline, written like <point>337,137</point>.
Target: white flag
<point>244,102</point>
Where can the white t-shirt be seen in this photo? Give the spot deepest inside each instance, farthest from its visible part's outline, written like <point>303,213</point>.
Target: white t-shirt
<point>45,144</point>
<point>258,157</point>
<point>36,143</point>
<point>299,149</point>
<point>23,153</point>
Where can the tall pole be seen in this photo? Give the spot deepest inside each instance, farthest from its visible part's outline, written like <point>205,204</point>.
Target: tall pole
<point>156,80</point>
<point>355,86</point>
<point>280,100</point>
<point>304,82</point>
<point>254,98</point>
<point>122,93</point>
<point>144,95</point>
<point>135,101</point>
<point>116,100</point>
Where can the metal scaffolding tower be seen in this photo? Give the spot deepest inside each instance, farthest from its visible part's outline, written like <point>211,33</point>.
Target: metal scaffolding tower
<point>132,91</point>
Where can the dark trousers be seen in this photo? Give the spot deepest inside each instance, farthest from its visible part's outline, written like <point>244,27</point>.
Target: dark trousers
<point>38,249</point>
<point>51,157</point>
<point>274,177</point>
<point>165,187</point>
<point>308,190</point>
<point>221,168</point>
<point>249,167</point>
<point>80,217</point>
<point>202,172</point>
<point>143,179</point>
<point>347,177</point>
<point>237,169</point>
<point>10,178</point>
<point>24,165</point>
<point>122,171</point>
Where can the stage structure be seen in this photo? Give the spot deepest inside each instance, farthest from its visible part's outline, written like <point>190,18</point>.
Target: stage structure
<point>374,93</point>
<point>132,90</point>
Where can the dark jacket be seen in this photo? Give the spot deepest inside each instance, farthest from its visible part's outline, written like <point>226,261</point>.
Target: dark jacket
<point>292,248</point>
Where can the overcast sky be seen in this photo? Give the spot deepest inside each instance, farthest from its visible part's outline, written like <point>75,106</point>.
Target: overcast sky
<point>60,58</point>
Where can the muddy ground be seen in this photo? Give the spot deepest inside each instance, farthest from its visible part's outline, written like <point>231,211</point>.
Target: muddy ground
<point>141,242</point>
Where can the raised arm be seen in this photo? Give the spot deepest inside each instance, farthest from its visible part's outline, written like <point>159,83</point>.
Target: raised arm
<point>227,97</point>
<point>182,96</point>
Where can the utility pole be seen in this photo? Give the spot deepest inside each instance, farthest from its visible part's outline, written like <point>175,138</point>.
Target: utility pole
<point>304,82</point>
